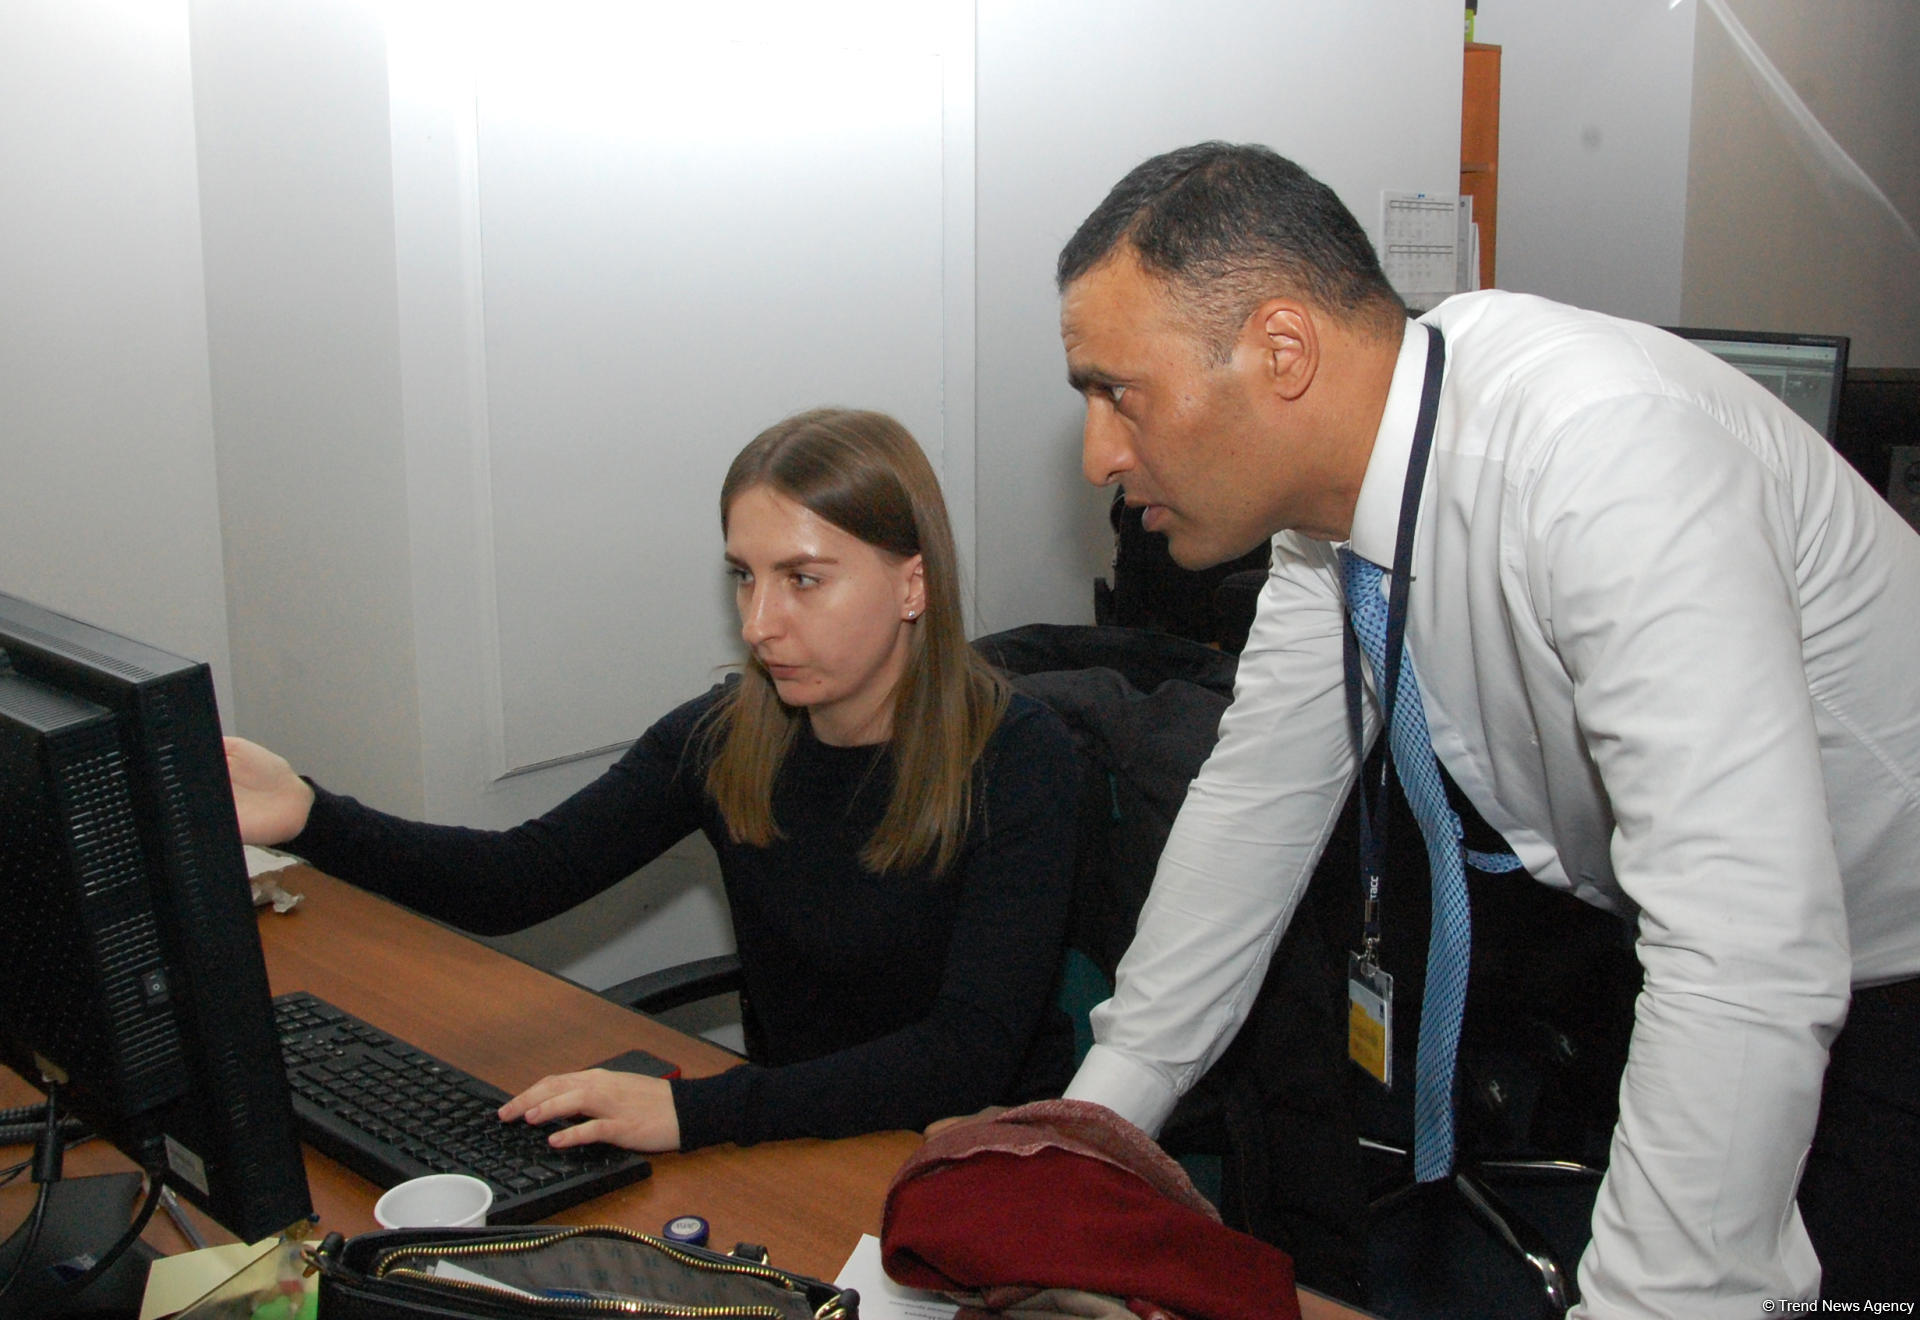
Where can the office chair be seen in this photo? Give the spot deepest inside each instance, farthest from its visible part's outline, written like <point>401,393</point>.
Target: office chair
<point>1268,1133</point>
<point>683,983</point>
<point>1550,1005</point>
<point>686,983</point>
<point>1473,1181</point>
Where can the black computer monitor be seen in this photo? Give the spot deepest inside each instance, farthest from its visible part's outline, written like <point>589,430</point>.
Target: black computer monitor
<point>1805,372</point>
<point>130,963</point>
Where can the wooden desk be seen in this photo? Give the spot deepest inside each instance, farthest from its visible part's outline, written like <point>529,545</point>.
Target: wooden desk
<point>807,1201</point>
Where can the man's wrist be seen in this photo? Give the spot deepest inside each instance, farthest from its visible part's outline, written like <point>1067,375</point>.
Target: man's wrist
<point>1129,1086</point>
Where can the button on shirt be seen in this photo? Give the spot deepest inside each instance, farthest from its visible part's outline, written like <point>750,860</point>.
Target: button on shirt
<point>1665,641</point>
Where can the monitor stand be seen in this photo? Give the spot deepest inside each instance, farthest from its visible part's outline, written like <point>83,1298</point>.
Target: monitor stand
<point>85,1216</point>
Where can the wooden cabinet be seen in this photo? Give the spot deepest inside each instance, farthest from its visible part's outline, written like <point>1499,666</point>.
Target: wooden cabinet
<point>1480,147</point>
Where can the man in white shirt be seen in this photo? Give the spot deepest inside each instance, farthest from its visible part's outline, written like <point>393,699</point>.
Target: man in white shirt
<point>1664,640</point>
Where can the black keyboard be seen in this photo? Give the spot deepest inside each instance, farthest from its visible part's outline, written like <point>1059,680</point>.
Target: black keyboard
<point>391,1112</point>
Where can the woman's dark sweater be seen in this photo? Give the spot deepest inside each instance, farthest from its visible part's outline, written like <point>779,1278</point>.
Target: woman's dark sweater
<point>878,1001</point>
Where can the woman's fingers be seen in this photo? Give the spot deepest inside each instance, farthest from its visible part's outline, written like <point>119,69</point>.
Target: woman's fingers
<point>622,1109</point>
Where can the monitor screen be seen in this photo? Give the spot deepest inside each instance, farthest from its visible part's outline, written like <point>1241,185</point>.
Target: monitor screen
<point>1804,372</point>
<point>130,964</point>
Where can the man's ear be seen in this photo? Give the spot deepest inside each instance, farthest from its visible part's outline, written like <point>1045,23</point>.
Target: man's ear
<point>1286,335</point>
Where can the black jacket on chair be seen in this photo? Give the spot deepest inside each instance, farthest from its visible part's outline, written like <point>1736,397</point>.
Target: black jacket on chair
<point>1145,709</point>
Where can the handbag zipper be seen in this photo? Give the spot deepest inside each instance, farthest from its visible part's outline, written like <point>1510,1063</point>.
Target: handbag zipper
<point>596,1305</point>
<point>385,1267</point>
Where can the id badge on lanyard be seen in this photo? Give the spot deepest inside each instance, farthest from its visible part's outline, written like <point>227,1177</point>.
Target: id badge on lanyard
<point>1370,1017</point>
<point>1369,986</point>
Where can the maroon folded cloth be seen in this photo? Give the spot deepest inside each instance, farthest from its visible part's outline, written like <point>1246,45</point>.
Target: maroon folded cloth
<point>1067,1194</point>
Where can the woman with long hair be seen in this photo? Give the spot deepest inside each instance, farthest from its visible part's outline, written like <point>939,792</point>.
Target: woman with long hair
<point>885,811</point>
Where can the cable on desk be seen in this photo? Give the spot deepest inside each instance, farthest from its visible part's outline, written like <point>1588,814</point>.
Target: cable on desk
<point>13,1134</point>
<point>46,1171</point>
<point>12,1171</point>
<point>23,1124</point>
<point>48,1158</point>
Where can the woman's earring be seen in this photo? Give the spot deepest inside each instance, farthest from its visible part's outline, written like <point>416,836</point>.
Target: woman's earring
<point>912,615</point>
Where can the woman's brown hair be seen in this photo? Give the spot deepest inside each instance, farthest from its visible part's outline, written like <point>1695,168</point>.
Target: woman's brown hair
<point>862,472</point>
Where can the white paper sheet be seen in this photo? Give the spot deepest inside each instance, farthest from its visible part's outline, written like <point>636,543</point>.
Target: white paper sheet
<point>1420,236</point>
<point>880,1297</point>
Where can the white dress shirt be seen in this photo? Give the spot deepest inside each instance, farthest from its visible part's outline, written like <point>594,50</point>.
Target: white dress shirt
<point>1666,640</point>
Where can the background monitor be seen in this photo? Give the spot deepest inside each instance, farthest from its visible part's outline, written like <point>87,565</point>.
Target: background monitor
<point>1805,372</point>
<point>129,957</point>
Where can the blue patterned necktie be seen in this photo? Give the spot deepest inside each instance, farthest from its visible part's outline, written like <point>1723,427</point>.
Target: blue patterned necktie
<point>1451,939</point>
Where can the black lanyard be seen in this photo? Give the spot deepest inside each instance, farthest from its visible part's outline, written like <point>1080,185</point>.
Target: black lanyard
<point>1373,795</point>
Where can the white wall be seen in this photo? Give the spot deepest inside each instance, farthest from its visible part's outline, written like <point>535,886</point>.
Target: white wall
<point>107,499</point>
<point>297,206</point>
<point>1738,163</point>
<point>1073,94</point>
<point>220,313</point>
<point>680,234</point>
<point>1595,115</point>
<point>627,240</point>
<point>1804,191</point>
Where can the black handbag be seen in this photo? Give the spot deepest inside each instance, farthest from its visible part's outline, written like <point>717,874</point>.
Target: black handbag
<point>511,1273</point>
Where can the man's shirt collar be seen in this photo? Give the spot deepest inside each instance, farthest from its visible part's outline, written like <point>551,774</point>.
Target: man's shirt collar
<point>1376,514</point>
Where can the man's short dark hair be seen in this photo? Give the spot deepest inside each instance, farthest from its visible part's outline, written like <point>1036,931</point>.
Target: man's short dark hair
<point>1230,226</point>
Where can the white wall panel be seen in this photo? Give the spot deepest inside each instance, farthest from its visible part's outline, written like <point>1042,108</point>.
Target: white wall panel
<point>108,505</point>
<point>1073,94</point>
<point>296,204</point>
<point>1595,115</point>
<point>1803,192</point>
<point>622,252</point>
<point>679,246</point>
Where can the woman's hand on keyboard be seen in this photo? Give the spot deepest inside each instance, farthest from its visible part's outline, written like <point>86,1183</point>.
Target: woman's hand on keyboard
<point>622,1109</point>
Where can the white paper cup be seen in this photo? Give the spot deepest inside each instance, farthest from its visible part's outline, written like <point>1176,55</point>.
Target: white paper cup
<point>439,1200</point>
